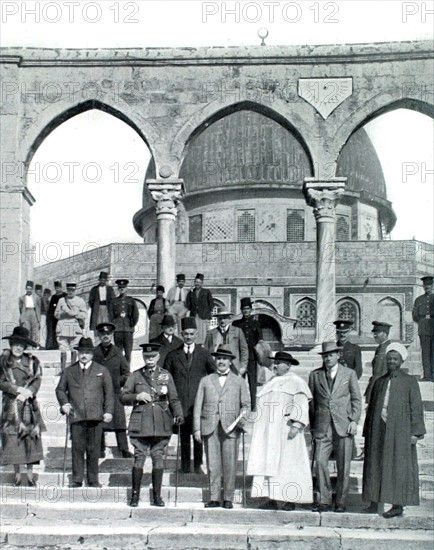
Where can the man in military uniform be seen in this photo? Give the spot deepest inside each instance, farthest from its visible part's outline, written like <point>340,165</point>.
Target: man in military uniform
<point>379,368</point>
<point>253,332</point>
<point>125,318</point>
<point>423,315</point>
<point>71,314</point>
<point>51,319</point>
<point>156,407</point>
<point>351,354</point>
<point>100,302</point>
<point>111,357</point>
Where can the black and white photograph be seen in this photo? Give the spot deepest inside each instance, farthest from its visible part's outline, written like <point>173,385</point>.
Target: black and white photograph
<point>217,265</point>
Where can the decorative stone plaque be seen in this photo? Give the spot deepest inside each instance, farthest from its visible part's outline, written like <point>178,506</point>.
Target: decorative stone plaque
<point>325,94</point>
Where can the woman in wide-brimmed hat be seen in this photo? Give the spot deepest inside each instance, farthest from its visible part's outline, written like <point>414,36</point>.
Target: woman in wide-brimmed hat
<point>21,421</point>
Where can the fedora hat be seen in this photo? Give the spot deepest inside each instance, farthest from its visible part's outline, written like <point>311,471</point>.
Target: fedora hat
<point>221,352</point>
<point>168,321</point>
<point>21,335</point>
<point>284,356</point>
<point>329,347</point>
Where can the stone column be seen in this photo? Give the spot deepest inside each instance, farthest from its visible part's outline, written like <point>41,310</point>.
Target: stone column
<point>323,197</point>
<point>167,194</point>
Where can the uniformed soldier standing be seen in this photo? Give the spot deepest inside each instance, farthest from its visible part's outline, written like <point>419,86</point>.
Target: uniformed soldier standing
<point>380,331</point>
<point>423,315</point>
<point>156,407</point>
<point>125,318</point>
<point>351,354</point>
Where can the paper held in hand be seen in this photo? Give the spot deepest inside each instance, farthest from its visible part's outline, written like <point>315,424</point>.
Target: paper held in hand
<point>242,414</point>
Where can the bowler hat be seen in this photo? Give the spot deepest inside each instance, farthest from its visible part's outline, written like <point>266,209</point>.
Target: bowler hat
<point>343,325</point>
<point>22,336</point>
<point>151,348</point>
<point>381,326</point>
<point>284,356</point>
<point>246,302</point>
<point>122,282</point>
<point>180,277</point>
<point>221,352</point>
<point>427,280</point>
<point>85,344</point>
<point>105,327</point>
<point>188,322</point>
<point>168,321</point>
<point>329,347</point>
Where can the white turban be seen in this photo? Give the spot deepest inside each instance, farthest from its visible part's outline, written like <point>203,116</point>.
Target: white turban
<point>396,346</point>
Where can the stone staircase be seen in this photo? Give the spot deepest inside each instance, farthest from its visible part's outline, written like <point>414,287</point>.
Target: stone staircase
<point>53,515</point>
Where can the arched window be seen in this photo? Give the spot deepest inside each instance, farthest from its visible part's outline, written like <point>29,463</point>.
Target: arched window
<point>342,228</point>
<point>349,310</point>
<point>264,303</point>
<point>306,312</point>
<point>246,226</point>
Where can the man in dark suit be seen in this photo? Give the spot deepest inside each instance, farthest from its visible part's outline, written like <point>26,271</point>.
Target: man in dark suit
<point>220,410</point>
<point>111,357</point>
<point>156,408</point>
<point>167,339</point>
<point>380,332</point>
<point>188,364</point>
<point>200,303</point>
<point>125,318</point>
<point>334,413</point>
<point>351,354</point>
<point>85,394</point>
<point>253,333</point>
<point>100,302</point>
<point>51,319</point>
<point>423,315</point>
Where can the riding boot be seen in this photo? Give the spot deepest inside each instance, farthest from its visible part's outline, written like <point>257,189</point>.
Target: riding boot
<point>157,480</point>
<point>137,474</point>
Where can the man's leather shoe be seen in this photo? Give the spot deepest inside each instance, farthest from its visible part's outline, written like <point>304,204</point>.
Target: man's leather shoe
<point>288,507</point>
<point>394,512</point>
<point>134,501</point>
<point>32,482</point>
<point>127,454</point>
<point>95,484</point>
<point>212,504</point>
<point>322,508</point>
<point>76,484</point>
<point>340,508</point>
<point>371,509</point>
<point>158,501</point>
<point>228,505</point>
<point>269,505</point>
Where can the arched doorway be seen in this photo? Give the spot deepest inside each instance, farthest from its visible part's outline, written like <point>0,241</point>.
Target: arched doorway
<point>271,331</point>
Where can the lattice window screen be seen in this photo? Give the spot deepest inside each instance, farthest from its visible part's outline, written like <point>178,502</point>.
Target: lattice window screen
<point>348,311</point>
<point>219,226</point>
<point>342,228</point>
<point>295,226</point>
<point>306,312</point>
<point>246,226</point>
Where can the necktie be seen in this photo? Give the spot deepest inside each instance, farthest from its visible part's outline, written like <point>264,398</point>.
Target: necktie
<point>189,357</point>
<point>329,379</point>
<point>224,334</point>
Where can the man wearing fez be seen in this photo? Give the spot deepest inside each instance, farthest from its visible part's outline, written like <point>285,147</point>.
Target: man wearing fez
<point>334,413</point>
<point>71,314</point>
<point>200,303</point>
<point>167,339</point>
<point>176,299</point>
<point>394,424</point>
<point>351,354</point>
<point>29,306</point>
<point>188,364</point>
<point>231,338</point>
<point>85,395</point>
<point>220,410</point>
<point>51,319</point>
<point>278,457</point>
<point>423,315</point>
<point>253,333</point>
<point>125,318</point>
<point>111,357</point>
<point>100,302</point>
<point>380,331</point>
<point>156,407</point>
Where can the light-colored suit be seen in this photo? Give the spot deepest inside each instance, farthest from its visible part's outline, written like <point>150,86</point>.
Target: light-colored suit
<point>235,342</point>
<point>331,412</point>
<point>30,318</point>
<point>215,409</point>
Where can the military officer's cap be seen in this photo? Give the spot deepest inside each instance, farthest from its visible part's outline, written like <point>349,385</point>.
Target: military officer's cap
<point>168,321</point>
<point>72,286</point>
<point>180,277</point>
<point>103,275</point>
<point>199,276</point>
<point>221,352</point>
<point>223,313</point>
<point>381,326</point>
<point>122,282</point>
<point>29,283</point>
<point>38,287</point>
<point>108,328</point>
<point>246,302</point>
<point>427,280</point>
<point>188,322</point>
<point>161,288</point>
<point>343,325</point>
<point>151,348</point>
<point>285,357</point>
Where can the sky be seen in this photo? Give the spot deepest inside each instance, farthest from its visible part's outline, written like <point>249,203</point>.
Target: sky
<point>111,157</point>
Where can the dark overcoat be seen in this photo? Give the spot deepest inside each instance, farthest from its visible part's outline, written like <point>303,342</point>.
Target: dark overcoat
<point>94,304</point>
<point>125,313</point>
<point>351,357</point>
<point>202,305</point>
<point>153,419</point>
<point>390,472</point>
<point>379,367</point>
<point>51,342</point>
<point>119,370</point>
<point>166,346</point>
<point>187,380</point>
<point>91,394</point>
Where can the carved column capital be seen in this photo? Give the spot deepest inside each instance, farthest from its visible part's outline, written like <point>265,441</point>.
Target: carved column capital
<point>323,196</point>
<point>167,195</point>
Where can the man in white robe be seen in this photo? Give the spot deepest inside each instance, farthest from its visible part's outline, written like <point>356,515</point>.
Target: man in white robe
<point>278,458</point>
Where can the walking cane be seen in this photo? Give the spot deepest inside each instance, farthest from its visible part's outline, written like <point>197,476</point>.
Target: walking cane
<point>244,469</point>
<point>177,463</point>
<point>64,450</point>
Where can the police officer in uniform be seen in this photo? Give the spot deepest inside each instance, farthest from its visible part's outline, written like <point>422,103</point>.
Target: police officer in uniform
<point>253,332</point>
<point>423,315</point>
<point>351,354</point>
<point>125,318</point>
<point>380,331</point>
<point>156,407</point>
